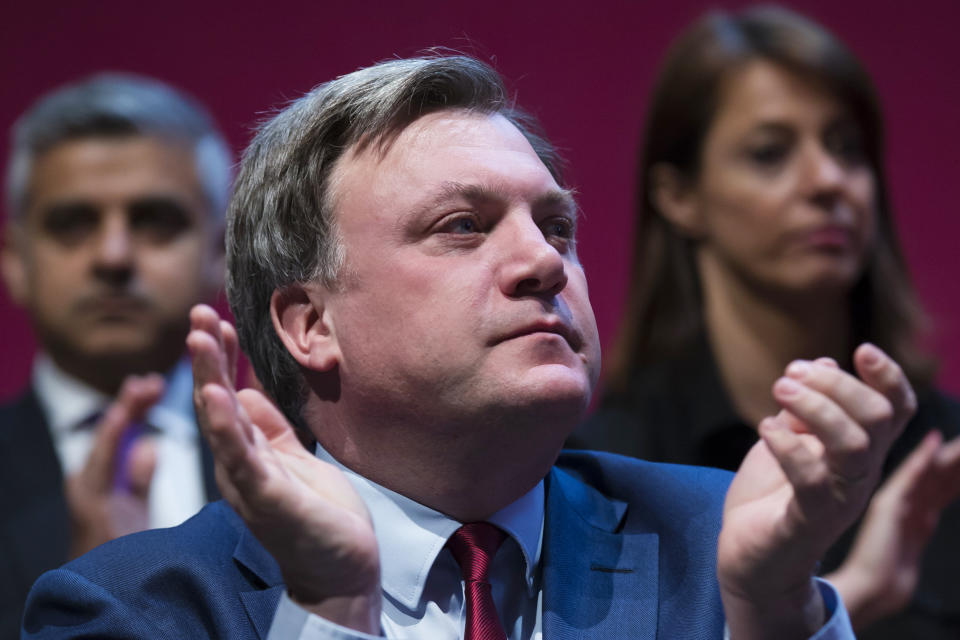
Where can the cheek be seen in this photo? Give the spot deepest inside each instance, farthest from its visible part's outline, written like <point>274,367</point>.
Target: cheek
<point>176,275</point>
<point>742,216</point>
<point>861,196</point>
<point>578,300</point>
<point>863,193</point>
<point>57,274</point>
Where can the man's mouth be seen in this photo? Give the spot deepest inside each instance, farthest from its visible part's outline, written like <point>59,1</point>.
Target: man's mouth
<point>553,326</point>
<point>112,305</point>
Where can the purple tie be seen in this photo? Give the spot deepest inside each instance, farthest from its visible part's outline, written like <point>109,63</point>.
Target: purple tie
<point>121,474</point>
<point>473,546</point>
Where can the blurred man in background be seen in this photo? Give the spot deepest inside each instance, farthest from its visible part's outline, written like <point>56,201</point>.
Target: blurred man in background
<point>116,188</point>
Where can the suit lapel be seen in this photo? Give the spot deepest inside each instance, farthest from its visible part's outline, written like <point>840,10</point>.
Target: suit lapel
<point>260,602</point>
<point>211,490</point>
<point>33,510</point>
<point>598,582</point>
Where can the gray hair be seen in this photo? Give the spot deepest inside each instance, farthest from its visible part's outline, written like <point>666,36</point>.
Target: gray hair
<point>114,105</point>
<point>281,228</point>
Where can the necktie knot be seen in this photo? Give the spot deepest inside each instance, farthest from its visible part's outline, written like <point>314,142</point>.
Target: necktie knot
<point>473,546</point>
<point>89,421</point>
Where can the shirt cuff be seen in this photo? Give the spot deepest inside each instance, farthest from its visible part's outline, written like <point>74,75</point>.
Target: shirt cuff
<point>293,622</point>
<point>838,625</point>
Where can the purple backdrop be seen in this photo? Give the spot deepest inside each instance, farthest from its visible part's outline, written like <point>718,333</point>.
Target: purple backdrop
<point>584,68</point>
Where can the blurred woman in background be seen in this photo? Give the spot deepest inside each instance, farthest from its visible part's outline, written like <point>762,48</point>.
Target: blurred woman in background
<point>764,234</point>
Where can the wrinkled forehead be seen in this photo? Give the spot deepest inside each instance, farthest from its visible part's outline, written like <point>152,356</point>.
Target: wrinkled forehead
<point>436,150</point>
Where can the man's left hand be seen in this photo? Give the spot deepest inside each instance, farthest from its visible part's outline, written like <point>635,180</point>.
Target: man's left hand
<point>802,485</point>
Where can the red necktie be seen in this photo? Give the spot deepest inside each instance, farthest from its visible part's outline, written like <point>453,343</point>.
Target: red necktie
<point>473,546</point>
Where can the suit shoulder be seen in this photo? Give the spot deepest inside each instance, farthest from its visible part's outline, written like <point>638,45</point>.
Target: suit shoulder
<point>207,538</point>
<point>20,413</point>
<point>657,488</point>
<point>186,581</point>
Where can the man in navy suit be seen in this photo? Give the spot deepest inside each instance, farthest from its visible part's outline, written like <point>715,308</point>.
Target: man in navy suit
<point>402,266</point>
<point>116,190</point>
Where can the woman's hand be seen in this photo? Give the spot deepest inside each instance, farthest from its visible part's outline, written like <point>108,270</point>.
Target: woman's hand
<point>881,571</point>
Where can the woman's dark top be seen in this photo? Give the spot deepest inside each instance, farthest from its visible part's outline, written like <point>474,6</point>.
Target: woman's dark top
<point>679,411</point>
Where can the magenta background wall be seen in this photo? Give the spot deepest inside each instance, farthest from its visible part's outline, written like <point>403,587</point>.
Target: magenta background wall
<point>584,68</point>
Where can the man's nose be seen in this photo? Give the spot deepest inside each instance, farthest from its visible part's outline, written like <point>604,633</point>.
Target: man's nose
<point>113,254</point>
<point>532,265</point>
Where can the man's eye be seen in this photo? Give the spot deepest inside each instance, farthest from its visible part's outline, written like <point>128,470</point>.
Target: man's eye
<point>71,224</point>
<point>159,219</point>
<point>558,228</point>
<point>461,225</point>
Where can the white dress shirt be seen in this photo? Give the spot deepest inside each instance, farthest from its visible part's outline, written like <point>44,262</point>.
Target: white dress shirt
<point>177,491</point>
<point>422,585</point>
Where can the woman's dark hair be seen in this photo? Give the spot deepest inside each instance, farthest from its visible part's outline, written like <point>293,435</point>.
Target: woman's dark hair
<point>664,313</point>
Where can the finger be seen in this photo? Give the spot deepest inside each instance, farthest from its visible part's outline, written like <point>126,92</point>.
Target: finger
<point>141,464</point>
<point>907,479</point>
<point>796,424</point>
<point>205,342</point>
<point>270,421</point>
<point>231,348</point>
<point>137,395</point>
<point>801,463</point>
<point>847,446</point>
<point>231,441</point>
<point>880,372</point>
<point>946,487</point>
<point>866,406</point>
<point>827,362</point>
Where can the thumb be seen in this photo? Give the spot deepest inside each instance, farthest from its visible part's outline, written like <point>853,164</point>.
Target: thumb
<point>269,420</point>
<point>141,463</point>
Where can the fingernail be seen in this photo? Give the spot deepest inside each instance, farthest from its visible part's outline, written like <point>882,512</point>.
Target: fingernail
<point>787,387</point>
<point>798,369</point>
<point>770,424</point>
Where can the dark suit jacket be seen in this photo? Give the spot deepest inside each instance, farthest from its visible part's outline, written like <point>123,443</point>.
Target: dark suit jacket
<point>34,523</point>
<point>629,551</point>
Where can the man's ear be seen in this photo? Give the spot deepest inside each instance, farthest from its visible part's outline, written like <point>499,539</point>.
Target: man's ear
<point>13,268</point>
<point>302,321</point>
<point>675,198</point>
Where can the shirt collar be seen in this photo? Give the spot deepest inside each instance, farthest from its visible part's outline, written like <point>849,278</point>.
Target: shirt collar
<point>418,533</point>
<point>66,401</point>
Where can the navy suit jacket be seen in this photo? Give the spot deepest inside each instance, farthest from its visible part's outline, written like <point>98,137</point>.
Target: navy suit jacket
<point>34,521</point>
<point>629,551</point>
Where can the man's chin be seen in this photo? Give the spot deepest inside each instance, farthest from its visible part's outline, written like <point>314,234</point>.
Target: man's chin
<point>556,388</point>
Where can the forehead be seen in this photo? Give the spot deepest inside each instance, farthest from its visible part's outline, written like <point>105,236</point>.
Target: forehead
<point>436,150</point>
<point>108,170</point>
<point>765,91</point>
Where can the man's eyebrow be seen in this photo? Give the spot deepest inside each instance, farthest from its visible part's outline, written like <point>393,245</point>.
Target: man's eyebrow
<point>561,200</point>
<point>556,198</point>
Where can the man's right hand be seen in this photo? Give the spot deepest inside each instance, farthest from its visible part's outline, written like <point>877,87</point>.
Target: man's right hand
<point>304,511</point>
<point>100,511</point>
